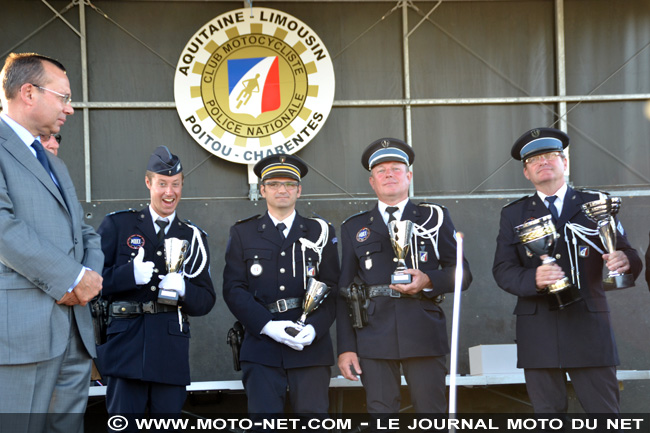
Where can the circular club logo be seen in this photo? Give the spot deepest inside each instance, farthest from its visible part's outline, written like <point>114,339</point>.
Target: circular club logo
<point>251,86</point>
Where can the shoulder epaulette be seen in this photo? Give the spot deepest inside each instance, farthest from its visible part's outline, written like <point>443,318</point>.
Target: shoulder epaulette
<point>590,191</point>
<point>320,217</point>
<point>122,211</point>
<point>248,219</point>
<point>355,215</point>
<point>427,203</point>
<point>190,223</point>
<point>516,201</point>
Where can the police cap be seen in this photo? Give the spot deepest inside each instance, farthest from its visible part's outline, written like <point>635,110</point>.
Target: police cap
<point>162,161</point>
<point>537,141</point>
<point>280,166</point>
<point>387,149</point>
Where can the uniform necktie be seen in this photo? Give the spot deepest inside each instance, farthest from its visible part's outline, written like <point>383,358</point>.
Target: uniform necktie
<point>551,207</point>
<point>281,227</point>
<point>42,158</point>
<point>391,213</point>
<point>161,233</point>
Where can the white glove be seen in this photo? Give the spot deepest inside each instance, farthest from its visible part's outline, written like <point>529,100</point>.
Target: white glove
<point>173,281</point>
<point>142,271</point>
<point>306,336</point>
<point>275,330</point>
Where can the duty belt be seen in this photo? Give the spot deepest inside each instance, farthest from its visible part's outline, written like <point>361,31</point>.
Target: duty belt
<point>383,290</point>
<point>132,308</point>
<point>282,305</point>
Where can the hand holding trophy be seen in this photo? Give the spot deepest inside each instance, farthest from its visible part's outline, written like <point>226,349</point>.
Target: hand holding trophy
<point>314,295</point>
<point>400,238</point>
<point>602,213</point>
<point>539,237</point>
<point>175,252</point>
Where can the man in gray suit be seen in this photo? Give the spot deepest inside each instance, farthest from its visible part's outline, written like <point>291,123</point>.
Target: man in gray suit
<point>48,255</point>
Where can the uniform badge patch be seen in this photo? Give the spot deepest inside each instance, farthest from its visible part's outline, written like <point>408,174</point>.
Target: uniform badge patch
<point>135,242</point>
<point>363,234</point>
<point>256,269</point>
<point>368,263</point>
<point>583,251</point>
<point>310,271</point>
<point>424,255</point>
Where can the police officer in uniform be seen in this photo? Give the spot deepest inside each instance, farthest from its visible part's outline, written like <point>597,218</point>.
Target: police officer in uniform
<point>405,326</point>
<point>577,339</point>
<point>269,260</point>
<point>146,356</point>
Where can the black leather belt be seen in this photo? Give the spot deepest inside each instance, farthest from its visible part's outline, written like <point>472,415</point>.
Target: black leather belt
<point>132,308</point>
<point>374,291</point>
<point>282,305</point>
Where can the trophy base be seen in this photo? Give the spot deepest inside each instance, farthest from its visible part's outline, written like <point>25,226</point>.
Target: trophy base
<point>292,331</point>
<point>168,297</point>
<point>618,282</point>
<point>400,279</point>
<point>562,294</point>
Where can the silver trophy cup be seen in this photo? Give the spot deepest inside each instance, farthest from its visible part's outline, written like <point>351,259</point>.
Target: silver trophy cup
<point>400,238</point>
<point>602,213</point>
<point>175,252</point>
<point>539,237</point>
<point>314,296</point>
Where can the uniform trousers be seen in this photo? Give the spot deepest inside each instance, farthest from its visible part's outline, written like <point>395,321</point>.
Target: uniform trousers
<point>596,389</point>
<point>136,396</point>
<point>425,377</point>
<point>266,390</point>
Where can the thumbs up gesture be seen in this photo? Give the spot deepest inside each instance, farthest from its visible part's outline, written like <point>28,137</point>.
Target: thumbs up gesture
<point>142,271</point>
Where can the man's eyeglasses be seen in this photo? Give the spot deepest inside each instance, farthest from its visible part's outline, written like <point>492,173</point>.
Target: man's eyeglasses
<point>548,156</point>
<point>289,186</point>
<point>66,98</point>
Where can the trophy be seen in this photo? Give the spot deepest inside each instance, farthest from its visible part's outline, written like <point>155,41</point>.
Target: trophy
<point>175,252</point>
<point>314,296</point>
<point>602,213</point>
<point>400,238</point>
<point>539,237</point>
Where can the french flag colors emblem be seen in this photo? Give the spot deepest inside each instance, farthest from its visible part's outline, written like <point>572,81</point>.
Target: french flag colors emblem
<point>254,85</point>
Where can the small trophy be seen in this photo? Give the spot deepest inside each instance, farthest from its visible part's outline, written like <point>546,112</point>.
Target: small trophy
<point>314,296</point>
<point>175,252</point>
<point>602,213</point>
<point>539,237</point>
<point>400,238</point>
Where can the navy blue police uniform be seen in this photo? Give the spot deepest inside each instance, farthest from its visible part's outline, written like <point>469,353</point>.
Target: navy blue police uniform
<point>578,338</point>
<point>147,349</point>
<point>400,330</point>
<point>264,279</point>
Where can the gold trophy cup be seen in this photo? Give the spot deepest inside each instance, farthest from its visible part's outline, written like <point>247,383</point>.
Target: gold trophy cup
<point>602,213</point>
<point>539,236</point>
<point>175,252</point>
<point>400,238</point>
<point>315,294</point>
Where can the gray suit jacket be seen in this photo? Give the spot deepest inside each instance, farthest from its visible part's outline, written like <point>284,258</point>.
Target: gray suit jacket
<point>44,243</point>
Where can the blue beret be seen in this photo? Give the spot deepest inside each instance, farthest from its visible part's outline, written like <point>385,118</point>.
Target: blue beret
<point>162,161</point>
<point>539,140</point>
<point>280,166</point>
<point>387,149</point>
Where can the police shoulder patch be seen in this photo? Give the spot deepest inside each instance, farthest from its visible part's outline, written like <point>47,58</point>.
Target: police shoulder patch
<point>517,201</point>
<point>355,215</point>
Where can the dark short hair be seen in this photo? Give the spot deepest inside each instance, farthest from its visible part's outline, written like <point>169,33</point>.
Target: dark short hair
<point>21,68</point>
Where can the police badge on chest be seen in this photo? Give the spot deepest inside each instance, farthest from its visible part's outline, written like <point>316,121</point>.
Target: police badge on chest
<point>310,269</point>
<point>256,268</point>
